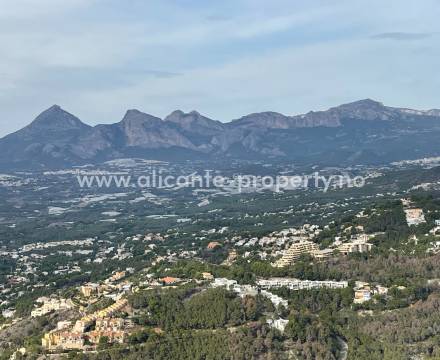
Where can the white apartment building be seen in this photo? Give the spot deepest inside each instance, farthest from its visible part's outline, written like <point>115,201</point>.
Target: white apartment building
<point>296,284</point>
<point>52,305</point>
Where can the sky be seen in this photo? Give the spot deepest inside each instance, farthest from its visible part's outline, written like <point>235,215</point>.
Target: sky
<point>225,59</point>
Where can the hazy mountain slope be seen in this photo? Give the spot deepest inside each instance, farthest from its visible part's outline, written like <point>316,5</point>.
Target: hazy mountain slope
<point>47,140</point>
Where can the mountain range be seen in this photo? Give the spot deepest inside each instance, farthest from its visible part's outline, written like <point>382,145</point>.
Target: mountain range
<point>361,132</point>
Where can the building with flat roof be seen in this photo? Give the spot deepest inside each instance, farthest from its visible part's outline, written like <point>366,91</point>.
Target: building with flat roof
<point>74,339</point>
<point>414,216</point>
<point>50,305</point>
<point>362,295</point>
<point>63,340</point>
<point>88,289</point>
<point>296,284</point>
<point>109,324</point>
<point>322,254</point>
<point>356,246</point>
<point>295,251</point>
<point>169,280</point>
<point>112,336</point>
<point>207,276</point>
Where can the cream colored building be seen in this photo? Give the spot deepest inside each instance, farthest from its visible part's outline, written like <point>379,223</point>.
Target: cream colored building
<point>86,321</point>
<point>89,289</point>
<point>118,275</point>
<point>113,328</point>
<point>362,295</point>
<point>112,336</point>
<point>62,340</point>
<point>414,216</point>
<point>50,305</point>
<point>295,251</point>
<point>356,246</point>
<point>207,276</point>
<point>109,324</point>
<point>321,254</point>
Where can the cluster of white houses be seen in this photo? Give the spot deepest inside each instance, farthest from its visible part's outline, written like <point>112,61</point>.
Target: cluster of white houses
<point>51,304</point>
<point>248,290</point>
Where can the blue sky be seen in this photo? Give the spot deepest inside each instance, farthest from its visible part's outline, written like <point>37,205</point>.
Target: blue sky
<point>98,58</point>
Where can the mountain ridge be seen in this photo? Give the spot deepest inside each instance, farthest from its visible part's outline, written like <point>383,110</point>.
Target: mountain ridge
<point>360,107</point>
<point>57,136</point>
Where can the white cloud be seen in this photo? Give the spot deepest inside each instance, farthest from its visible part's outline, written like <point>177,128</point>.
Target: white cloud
<point>291,81</point>
<point>98,58</point>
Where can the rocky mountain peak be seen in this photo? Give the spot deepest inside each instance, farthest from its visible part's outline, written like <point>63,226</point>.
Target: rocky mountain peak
<point>366,109</point>
<point>134,117</point>
<point>267,119</point>
<point>364,103</point>
<point>194,122</point>
<point>176,116</point>
<point>132,112</point>
<point>55,118</point>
